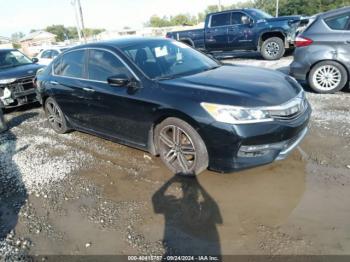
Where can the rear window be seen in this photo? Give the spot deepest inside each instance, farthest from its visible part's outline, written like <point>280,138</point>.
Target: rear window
<point>220,19</point>
<point>339,22</point>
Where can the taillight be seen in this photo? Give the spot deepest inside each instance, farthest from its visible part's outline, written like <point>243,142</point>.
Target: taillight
<point>302,41</point>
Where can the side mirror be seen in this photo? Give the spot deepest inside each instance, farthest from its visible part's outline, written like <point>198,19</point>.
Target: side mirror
<point>35,60</point>
<point>120,80</point>
<point>246,20</point>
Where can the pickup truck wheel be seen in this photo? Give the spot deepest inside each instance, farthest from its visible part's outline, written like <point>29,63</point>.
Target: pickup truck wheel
<point>180,147</point>
<point>273,48</point>
<point>327,77</point>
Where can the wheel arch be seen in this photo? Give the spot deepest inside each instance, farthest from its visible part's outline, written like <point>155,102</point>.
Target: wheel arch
<point>187,41</point>
<point>269,34</point>
<point>164,114</point>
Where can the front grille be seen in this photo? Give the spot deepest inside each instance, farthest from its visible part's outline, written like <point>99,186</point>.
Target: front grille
<point>22,84</point>
<point>22,91</point>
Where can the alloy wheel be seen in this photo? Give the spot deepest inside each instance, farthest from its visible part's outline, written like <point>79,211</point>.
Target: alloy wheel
<point>327,77</point>
<point>55,116</point>
<point>177,148</point>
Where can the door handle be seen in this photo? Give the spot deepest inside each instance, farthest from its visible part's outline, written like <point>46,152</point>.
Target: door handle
<point>54,83</point>
<point>88,89</point>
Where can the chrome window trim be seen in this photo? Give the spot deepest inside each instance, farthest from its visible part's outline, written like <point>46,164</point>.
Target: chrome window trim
<point>91,80</point>
<point>211,16</point>
<point>232,11</point>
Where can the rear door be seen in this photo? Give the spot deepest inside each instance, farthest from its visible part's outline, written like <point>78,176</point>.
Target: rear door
<point>240,36</point>
<point>340,26</point>
<point>216,32</point>
<point>71,88</point>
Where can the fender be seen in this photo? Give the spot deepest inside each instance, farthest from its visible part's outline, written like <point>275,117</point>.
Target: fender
<point>186,39</point>
<point>272,30</point>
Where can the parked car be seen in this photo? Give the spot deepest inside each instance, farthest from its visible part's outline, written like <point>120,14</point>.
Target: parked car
<point>17,72</point>
<point>164,97</point>
<point>243,29</point>
<point>46,56</point>
<point>322,56</point>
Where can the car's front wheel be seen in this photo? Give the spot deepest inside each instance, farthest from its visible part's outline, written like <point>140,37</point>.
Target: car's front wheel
<point>328,77</point>
<point>273,48</point>
<point>180,147</point>
<point>55,116</point>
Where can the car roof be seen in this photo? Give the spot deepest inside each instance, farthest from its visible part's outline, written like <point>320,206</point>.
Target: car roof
<point>8,49</point>
<point>238,9</point>
<point>122,42</point>
<point>335,12</point>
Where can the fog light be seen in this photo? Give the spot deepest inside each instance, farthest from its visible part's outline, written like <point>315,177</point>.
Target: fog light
<point>253,151</point>
<point>260,150</point>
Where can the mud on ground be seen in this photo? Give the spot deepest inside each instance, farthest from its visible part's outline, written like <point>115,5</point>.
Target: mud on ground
<point>79,194</point>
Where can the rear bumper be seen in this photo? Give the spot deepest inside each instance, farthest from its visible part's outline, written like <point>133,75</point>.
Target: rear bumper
<point>237,147</point>
<point>299,70</point>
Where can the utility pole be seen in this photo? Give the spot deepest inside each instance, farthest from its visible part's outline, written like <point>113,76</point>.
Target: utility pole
<point>277,7</point>
<point>220,6</point>
<point>82,20</point>
<point>73,2</point>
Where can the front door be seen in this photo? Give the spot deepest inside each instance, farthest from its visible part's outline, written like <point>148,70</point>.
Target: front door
<point>240,35</point>
<point>117,111</point>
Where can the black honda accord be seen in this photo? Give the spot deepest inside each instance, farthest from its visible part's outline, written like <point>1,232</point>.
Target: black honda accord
<point>166,98</point>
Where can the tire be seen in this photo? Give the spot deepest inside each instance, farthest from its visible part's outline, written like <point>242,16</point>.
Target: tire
<point>55,116</point>
<point>273,48</point>
<point>180,147</point>
<point>327,77</point>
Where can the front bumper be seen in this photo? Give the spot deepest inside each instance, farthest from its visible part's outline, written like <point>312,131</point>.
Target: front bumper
<point>19,93</point>
<point>272,141</point>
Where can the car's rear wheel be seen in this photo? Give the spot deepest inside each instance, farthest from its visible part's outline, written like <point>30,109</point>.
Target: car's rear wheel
<point>273,48</point>
<point>180,147</point>
<point>328,77</point>
<point>55,116</point>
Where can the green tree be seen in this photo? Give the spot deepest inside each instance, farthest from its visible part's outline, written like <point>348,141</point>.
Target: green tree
<point>156,21</point>
<point>15,37</point>
<point>59,30</point>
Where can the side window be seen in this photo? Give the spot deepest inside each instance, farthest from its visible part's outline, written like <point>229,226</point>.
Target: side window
<point>46,54</point>
<point>54,53</point>
<point>103,64</point>
<point>70,64</point>
<point>220,19</point>
<point>339,22</point>
<point>236,18</point>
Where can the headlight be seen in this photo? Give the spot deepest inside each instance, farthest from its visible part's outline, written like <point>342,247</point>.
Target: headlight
<point>7,81</point>
<point>235,114</point>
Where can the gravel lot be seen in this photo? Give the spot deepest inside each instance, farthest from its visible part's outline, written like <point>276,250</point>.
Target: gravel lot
<point>78,194</point>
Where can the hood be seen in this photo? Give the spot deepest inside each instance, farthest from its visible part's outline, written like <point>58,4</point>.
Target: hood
<point>239,86</point>
<point>291,18</point>
<point>19,71</point>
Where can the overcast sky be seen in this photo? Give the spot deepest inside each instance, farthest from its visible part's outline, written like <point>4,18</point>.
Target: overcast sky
<point>24,15</point>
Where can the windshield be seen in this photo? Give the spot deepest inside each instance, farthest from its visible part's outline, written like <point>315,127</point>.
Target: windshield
<point>260,14</point>
<point>13,58</point>
<point>166,59</point>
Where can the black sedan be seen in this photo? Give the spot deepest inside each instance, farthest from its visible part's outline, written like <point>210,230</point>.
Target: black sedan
<point>166,98</point>
<point>17,72</point>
